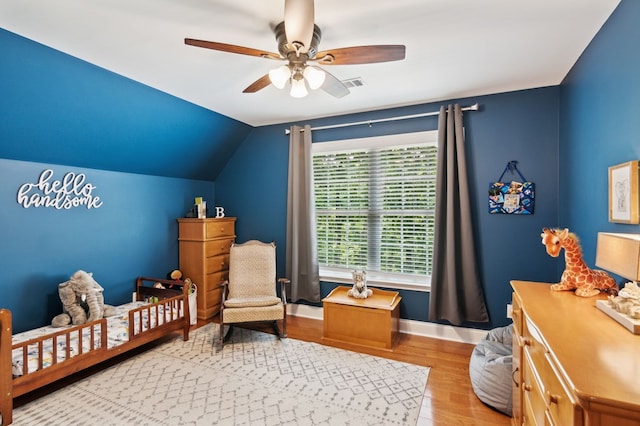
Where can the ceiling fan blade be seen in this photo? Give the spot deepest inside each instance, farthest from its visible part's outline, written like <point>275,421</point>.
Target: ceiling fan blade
<point>259,84</point>
<point>361,55</point>
<point>298,23</point>
<point>231,48</point>
<point>333,86</point>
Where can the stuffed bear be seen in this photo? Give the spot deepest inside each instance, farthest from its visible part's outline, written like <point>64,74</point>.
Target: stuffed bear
<point>359,289</point>
<point>79,296</point>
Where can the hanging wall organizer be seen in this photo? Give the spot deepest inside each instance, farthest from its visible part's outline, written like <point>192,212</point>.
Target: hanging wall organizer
<point>515,197</point>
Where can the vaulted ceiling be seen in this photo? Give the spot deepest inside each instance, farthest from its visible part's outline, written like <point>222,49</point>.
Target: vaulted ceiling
<point>454,49</point>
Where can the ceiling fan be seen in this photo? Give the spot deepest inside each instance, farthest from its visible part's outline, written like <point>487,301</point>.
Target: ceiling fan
<point>298,38</point>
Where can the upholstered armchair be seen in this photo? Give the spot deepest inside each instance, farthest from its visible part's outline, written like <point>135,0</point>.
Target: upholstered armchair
<point>250,293</point>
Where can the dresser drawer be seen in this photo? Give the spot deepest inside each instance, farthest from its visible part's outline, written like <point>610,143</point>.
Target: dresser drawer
<point>534,403</point>
<point>528,417</point>
<point>216,263</point>
<point>217,247</point>
<point>214,295</point>
<point>221,228</point>
<point>556,399</point>
<point>534,347</point>
<point>214,279</point>
<point>190,229</point>
<point>562,409</point>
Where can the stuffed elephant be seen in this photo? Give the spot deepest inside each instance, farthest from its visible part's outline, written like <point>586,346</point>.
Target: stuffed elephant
<point>81,295</point>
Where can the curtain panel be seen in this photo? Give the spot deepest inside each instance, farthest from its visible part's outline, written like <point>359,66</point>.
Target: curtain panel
<point>301,245</point>
<point>456,291</point>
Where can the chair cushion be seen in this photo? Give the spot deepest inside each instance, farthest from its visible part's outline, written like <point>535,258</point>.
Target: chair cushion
<point>247,302</point>
<point>252,270</point>
<point>263,313</point>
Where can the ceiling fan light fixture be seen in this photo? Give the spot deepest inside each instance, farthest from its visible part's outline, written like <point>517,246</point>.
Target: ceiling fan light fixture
<point>298,88</point>
<point>299,22</point>
<point>280,76</point>
<point>315,77</point>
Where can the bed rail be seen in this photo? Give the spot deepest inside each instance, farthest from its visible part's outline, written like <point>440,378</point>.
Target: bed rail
<point>6,395</point>
<point>86,353</point>
<point>144,289</point>
<point>154,318</point>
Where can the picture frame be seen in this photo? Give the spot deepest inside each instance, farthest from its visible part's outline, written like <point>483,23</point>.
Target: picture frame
<point>623,193</point>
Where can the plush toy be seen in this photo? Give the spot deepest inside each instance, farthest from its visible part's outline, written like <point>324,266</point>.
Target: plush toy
<point>360,290</point>
<point>176,275</point>
<point>81,295</point>
<point>577,275</point>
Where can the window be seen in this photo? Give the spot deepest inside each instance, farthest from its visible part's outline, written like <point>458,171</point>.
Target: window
<point>375,207</point>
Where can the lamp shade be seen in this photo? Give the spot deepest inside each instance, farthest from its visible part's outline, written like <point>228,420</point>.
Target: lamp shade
<point>280,76</point>
<point>298,88</point>
<point>620,254</point>
<point>314,76</point>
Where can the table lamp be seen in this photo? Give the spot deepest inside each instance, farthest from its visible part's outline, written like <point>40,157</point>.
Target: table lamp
<point>620,254</point>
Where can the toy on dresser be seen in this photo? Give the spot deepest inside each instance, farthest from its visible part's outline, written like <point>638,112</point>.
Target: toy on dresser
<point>577,275</point>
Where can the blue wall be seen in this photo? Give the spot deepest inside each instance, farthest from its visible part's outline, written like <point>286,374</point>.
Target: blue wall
<point>520,126</point>
<point>57,109</point>
<point>600,125</point>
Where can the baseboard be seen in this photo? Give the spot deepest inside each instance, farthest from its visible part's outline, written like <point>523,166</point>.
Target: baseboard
<point>418,328</point>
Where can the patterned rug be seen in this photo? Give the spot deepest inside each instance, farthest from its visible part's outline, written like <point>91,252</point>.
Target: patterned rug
<point>257,379</point>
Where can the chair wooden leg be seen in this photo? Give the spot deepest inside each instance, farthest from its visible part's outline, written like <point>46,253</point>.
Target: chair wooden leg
<point>282,334</point>
<point>284,326</point>
<point>227,336</point>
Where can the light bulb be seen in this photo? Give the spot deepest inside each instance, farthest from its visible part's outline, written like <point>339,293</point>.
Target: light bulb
<point>298,88</point>
<point>280,76</point>
<point>314,76</point>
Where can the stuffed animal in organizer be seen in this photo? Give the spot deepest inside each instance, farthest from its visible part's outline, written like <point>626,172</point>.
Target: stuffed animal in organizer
<point>577,275</point>
<point>359,289</point>
<point>82,301</point>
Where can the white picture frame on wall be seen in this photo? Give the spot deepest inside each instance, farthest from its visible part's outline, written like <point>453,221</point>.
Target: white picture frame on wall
<point>623,193</point>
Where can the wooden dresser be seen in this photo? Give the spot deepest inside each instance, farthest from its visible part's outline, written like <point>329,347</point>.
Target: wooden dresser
<point>573,365</point>
<point>204,257</point>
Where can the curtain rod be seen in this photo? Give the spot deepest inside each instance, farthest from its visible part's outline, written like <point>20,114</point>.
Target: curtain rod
<point>473,107</point>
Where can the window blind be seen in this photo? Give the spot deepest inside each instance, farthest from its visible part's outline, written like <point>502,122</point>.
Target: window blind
<point>375,207</point>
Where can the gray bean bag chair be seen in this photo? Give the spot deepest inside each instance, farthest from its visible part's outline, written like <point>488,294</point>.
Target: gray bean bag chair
<point>490,369</point>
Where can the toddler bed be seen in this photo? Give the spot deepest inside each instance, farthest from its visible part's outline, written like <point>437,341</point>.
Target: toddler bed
<point>35,358</point>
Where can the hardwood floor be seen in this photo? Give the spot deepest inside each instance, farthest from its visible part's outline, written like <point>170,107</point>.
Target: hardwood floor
<point>449,399</point>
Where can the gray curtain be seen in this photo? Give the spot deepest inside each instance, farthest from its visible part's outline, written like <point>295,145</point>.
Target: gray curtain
<point>301,252</point>
<point>456,291</point>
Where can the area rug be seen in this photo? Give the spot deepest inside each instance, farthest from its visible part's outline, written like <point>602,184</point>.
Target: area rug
<point>256,379</point>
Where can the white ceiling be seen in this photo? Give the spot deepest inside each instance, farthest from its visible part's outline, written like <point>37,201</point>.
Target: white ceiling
<point>454,48</point>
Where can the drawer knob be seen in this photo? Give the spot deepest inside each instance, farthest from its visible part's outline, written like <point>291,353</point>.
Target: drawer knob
<point>526,387</point>
<point>526,341</point>
<point>553,399</point>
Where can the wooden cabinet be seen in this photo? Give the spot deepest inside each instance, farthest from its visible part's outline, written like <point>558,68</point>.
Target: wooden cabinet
<point>573,365</point>
<point>204,257</point>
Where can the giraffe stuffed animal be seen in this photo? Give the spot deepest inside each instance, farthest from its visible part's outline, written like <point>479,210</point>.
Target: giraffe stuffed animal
<point>577,275</point>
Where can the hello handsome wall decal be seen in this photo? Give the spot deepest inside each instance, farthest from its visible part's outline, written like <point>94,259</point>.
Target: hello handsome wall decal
<point>69,192</point>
